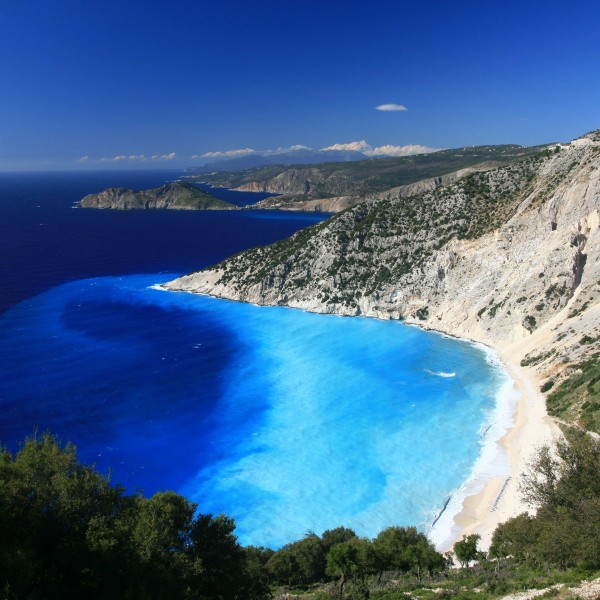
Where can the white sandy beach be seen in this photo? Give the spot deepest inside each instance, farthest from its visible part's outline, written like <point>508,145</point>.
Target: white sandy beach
<point>499,498</point>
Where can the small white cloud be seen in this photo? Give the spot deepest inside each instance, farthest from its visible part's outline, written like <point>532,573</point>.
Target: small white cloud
<point>389,150</point>
<point>391,107</point>
<point>361,146</point>
<point>283,150</point>
<point>386,150</point>
<point>136,157</point>
<point>226,153</point>
<point>84,158</point>
<point>169,156</point>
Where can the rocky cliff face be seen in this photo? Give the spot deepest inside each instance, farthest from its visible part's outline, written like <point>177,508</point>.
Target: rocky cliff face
<point>508,257</point>
<point>310,182</point>
<point>301,202</point>
<point>180,195</point>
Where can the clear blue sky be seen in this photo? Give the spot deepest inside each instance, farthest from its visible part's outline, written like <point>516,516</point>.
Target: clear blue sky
<point>104,79</point>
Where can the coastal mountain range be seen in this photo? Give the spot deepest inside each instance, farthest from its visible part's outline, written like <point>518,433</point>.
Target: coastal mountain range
<point>335,186</point>
<point>507,255</point>
<point>298,156</point>
<point>329,187</point>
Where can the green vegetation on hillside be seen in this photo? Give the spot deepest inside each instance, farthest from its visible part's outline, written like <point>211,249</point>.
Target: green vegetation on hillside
<point>180,195</point>
<point>579,390</point>
<point>563,485</point>
<point>377,243</point>
<point>379,174</point>
<point>66,532</point>
<point>185,195</point>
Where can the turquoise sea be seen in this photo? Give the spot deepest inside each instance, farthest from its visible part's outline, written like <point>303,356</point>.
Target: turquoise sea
<point>288,421</point>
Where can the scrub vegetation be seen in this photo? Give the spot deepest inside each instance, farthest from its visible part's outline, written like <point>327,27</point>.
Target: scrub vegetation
<point>67,532</point>
<point>579,391</point>
<point>361,250</point>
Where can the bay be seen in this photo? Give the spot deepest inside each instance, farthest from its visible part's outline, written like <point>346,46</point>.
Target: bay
<point>285,420</point>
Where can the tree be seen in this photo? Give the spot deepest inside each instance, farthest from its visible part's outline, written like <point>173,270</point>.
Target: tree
<point>350,559</point>
<point>466,549</point>
<point>67,533</point>
<point>309,555</point>
<point>563,475</point>
<point>516,537</point>
<point>338,535</point>
<point>282,567</point>
<point>222,572</point>
<point>563,484</point>
<point>256,559</point>
<point>405,549</point>
<point>422,556</point>
<point>47,501</point>
<point>162,525</point>
<point>301,562</point>
<point>158,536</point>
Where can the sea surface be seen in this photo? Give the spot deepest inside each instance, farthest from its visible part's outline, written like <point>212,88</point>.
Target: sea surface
<point>288,421</point>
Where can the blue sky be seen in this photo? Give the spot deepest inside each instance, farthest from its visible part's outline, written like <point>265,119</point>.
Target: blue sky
<point>176,79</point>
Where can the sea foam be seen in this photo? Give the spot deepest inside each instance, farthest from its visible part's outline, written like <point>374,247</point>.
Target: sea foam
<point>492,460</point>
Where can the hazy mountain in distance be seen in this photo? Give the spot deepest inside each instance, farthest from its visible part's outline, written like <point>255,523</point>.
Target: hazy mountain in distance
<point>301,156</point>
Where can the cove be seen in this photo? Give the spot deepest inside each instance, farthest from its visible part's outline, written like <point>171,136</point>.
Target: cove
<point>288,421</point>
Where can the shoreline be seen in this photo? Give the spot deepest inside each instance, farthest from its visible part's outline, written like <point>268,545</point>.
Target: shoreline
<point>491,463</point>
<point>494,498</point>
<point>490,494</point>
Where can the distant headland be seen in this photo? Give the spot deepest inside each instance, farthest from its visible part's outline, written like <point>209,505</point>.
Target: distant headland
<point>180,195</point>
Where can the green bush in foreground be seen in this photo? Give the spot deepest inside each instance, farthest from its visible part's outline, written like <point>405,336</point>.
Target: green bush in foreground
<point>66,532</point>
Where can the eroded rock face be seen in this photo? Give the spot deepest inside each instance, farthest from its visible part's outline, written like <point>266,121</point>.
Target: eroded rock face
<point>509,257</point>
<point>302,202</point>
<point>308,182</point>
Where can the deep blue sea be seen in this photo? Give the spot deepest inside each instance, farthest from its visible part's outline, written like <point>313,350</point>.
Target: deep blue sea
<point>285,420</point>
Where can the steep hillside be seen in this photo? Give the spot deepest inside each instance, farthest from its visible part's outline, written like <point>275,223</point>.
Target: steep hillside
<point>508,257</point>
<point>339,203</point>
<point>180,195</point>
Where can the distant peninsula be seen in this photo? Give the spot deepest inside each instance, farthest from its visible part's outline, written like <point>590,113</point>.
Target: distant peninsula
<point>177,196</point>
